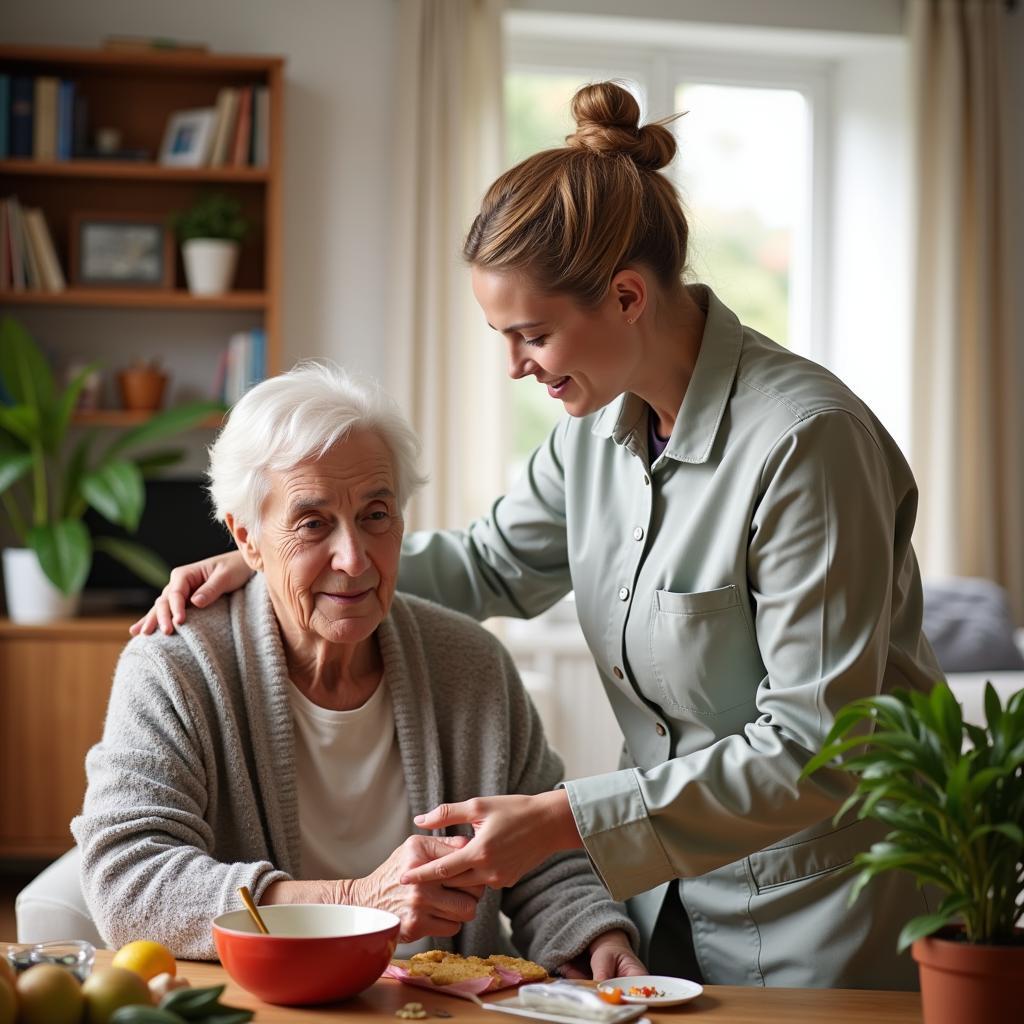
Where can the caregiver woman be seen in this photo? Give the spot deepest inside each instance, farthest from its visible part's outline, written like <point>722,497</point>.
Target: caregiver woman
<point>736,527</point>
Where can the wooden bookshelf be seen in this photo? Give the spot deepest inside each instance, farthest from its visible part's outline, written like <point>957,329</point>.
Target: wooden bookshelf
<point>138,298</point>
<point>137,93</point>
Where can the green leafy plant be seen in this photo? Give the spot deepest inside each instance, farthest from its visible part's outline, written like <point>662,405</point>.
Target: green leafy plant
<point>952,795</point>
<point>214,215</point>
<point>47,482</point>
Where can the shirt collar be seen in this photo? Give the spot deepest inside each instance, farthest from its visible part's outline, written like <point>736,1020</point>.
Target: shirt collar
<point>706,397</point>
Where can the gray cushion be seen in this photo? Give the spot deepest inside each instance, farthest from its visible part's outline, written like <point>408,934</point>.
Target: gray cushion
<point>969,625</point>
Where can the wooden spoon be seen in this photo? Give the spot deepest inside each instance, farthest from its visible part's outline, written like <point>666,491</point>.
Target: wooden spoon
<point>250,905</point>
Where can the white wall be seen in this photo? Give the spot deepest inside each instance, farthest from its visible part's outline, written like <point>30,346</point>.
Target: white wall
<point>338,117</point>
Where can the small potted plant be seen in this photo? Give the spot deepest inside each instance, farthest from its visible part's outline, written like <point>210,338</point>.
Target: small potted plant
<point>48,480</point>
<point>210,233</point>
<point>952,796</point>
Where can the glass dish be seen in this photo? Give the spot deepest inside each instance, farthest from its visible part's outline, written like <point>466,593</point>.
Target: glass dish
<point>76,955</point>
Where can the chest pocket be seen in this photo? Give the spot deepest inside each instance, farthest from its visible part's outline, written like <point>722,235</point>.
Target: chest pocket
<point>703,652</point>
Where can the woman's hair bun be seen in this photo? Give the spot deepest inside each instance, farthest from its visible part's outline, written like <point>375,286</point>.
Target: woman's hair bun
<point>607,118</point>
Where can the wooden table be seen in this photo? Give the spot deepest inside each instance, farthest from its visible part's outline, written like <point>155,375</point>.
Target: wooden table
<point>722,1004</point>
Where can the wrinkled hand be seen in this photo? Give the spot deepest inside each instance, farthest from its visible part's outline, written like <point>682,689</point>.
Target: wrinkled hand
<point>610,956</point>
<point>512,835</point>
<point>425,908</point>
<point>205,581</point>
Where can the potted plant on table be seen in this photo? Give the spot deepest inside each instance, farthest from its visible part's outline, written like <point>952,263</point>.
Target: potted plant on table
<point>952,795</point>
<point>210,233</point>
<point>47,481</point>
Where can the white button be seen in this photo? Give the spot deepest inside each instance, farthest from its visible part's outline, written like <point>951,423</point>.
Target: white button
<point>638,533</point>
<point>623,593</point>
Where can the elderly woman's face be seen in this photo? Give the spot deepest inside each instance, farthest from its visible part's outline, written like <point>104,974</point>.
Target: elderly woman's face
<point>330,540</point>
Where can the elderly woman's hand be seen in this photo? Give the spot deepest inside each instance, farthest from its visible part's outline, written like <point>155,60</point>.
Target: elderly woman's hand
<point>204,581</point>
<point>425,908</point>
<point>610,956</point>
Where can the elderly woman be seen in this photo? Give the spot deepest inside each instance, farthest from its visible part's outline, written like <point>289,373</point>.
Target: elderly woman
<point>285,739</point>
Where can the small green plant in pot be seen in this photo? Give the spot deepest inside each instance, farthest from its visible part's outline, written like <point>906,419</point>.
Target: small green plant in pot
<point>210,233</point>
<point>48,480</point>
<point>952,795</point>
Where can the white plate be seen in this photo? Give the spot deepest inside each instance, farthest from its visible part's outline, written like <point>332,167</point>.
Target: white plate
<point>677,990</point>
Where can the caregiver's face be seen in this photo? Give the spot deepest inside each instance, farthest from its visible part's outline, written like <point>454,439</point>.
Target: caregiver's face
<point>330,541</point>
<point>584,357</point>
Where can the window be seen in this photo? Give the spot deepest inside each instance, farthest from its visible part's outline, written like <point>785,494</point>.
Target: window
<point>792,167</point>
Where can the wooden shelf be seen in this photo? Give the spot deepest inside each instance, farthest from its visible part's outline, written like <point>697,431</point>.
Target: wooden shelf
<point>128,418</point>
<point>131,170</point>
<point>142,61</point>
<point>136,298</point>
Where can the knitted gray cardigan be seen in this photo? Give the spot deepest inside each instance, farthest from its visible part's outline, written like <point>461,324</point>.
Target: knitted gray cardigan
<point>192,791</point>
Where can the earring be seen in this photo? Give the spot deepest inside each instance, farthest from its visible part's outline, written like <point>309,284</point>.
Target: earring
<point>631,321</point>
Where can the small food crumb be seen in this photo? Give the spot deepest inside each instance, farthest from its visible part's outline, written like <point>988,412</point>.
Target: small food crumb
<point>411,1011</point>
<point>645,992</point>
<point>610,995</point>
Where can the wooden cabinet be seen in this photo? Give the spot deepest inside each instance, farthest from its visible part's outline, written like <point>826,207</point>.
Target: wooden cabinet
<point>54,685</point>
<point>135,94</point>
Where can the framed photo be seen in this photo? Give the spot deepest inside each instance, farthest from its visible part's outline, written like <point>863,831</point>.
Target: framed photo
<point>188,138</point>
<point>121,250</point>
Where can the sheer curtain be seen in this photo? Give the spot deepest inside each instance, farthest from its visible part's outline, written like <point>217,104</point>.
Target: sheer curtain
<point>966,428</point>
<point>443,364</point>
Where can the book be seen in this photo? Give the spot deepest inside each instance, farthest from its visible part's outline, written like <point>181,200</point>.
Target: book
<point>19,258</point>
<point>243,129</point>
<point>227,114</point>
<point>44,127</point>
<point>5,249</point>
<point>5,118</point>
<point>65,120</point>
<point>261,127</point>
<point>46,255</point>
<point>23,94</point>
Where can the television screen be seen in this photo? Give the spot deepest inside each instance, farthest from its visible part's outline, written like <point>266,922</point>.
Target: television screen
<point>177,523</point>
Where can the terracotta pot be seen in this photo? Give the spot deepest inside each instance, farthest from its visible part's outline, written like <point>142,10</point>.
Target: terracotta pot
<point>142,388</point>
<point>962,982</point>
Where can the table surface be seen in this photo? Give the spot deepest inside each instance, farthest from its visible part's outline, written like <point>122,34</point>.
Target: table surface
<point>722,1004</point>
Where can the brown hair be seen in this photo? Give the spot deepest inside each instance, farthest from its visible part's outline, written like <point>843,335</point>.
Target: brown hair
<point>571,218</point>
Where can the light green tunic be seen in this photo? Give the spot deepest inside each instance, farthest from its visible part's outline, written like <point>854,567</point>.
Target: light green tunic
<point>735,594</point>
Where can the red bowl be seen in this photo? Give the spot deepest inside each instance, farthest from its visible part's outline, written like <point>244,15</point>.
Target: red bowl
<point>315,953</point>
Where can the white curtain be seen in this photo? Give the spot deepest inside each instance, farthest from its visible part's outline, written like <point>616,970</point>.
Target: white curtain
<point>443,364</point>
<point>966,441</point>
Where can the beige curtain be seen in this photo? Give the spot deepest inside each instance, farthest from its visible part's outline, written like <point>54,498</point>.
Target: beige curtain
<point>443,363</point>
<point>966,441</point>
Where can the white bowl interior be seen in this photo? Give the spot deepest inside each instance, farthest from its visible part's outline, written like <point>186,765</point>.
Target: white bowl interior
<point>310,921</point>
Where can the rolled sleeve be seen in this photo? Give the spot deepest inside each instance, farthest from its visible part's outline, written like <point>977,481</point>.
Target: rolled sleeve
<point>618,834</point>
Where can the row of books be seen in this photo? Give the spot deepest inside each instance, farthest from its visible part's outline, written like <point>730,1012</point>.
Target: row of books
<point>241,134</point>
<point>42,118</point>
<point>242,364</point>
<point>28,259</point>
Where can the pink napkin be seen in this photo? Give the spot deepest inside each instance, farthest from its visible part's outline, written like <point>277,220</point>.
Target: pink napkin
<point>462,989</point>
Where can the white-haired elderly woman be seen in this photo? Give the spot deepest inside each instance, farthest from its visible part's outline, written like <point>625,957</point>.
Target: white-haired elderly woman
<point>284,739</point>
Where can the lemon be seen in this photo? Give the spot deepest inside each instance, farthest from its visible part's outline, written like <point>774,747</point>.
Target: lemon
<point>48,994</point>
<point>8,1002</point>
<point>107,989</point>
<point>146,958</point>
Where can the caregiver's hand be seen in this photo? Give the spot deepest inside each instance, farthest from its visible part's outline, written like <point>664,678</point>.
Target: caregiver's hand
<point>512,835</point>
<point>205,581</point>
<point>610,956</point>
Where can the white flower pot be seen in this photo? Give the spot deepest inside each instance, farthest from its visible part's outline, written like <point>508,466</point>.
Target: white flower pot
<point>209,265</point>
<point>31,597</point>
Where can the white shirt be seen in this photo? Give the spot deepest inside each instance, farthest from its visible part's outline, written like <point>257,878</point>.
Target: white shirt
<point>353,803</point>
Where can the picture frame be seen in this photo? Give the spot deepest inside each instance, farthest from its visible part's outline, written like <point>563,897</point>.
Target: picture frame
<point>188,138</point>
<point>121,250</point>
